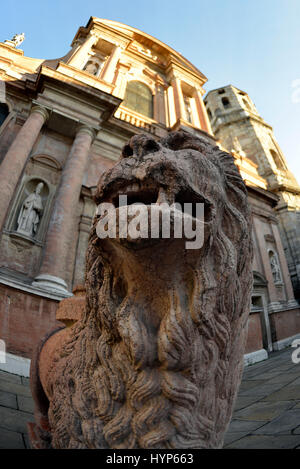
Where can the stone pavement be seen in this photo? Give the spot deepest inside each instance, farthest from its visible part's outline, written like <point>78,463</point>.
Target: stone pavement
<point>267,411</point>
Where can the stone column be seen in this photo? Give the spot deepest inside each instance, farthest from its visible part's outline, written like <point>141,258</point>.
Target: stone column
<point>82,52</point>
<point>274,304</point>
<point>109,69</point>
<point>121,81</point>
<point>15,159</point>
<point>202,113</point>
<point>83,238</point>
<point>159,104</point>
<point>178,99</point>
<point>63,225</point>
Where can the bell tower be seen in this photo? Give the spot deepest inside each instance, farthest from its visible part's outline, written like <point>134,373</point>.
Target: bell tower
<point>237,124</point>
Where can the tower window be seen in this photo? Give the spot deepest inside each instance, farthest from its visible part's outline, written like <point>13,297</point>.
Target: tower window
<point>226,103</point>
<point>247,105</point>
<point>4,111</point>
<point>209,113</point>
<point>139,98</point>
<point>221,91</point>
<point>277,160</point>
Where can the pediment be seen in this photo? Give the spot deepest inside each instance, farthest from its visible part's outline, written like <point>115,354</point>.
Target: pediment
<point>47,160</point>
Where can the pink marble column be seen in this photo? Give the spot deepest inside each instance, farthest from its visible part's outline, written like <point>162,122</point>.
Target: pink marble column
<point>16,157</point>
<point>202,113</point>
<point>178,98</point>
<point>109,69</point>
<point>80,56</point>
<point>63,227</point>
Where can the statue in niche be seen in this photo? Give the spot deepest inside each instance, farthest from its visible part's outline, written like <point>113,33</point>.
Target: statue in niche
<point>30,213</point>
<point>91,67</point>
<point>275,268</point>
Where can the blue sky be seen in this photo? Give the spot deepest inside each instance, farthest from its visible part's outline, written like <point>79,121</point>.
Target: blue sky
<point>252,44</point>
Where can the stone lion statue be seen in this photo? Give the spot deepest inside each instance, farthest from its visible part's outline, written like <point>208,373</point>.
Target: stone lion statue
<point>157,357</point>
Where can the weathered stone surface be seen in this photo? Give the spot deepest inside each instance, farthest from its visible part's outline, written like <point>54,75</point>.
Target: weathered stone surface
<point>14,420</point>
<point>245,425</point>
<point>284,424</point>
<point>263,410</point>
<point>288,393</point>
<point>4,376</point>
<point>71,309</point>
<point>8,399</point>
<point>11,440</point>
<point>25,403</point>
<point>261,390</point>
<point>243,402</point>
<point>11,387</point>
<point>266,442</point>
<point>230,437</point>
<point>157,358</point>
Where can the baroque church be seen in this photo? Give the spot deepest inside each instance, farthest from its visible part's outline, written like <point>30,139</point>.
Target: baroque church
<point>63,123</point>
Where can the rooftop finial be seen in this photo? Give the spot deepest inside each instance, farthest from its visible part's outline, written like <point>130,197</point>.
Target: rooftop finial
<point>16,40</point>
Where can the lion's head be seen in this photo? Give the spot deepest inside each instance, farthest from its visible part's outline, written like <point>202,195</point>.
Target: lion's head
<point>157,358</point>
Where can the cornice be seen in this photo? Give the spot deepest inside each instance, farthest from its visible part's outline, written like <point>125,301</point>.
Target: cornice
<point>273,198</point>
<point>75,85</point>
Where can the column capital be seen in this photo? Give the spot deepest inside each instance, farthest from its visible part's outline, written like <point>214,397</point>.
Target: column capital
<point>85,129</point>
<point>201,92</point>
<point>40,110</point>
<point>93,33</point>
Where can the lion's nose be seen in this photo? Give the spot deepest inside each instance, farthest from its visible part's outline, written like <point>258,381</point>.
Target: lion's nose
<point>140,145</point>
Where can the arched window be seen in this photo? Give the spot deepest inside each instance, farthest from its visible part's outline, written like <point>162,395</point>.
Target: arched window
<point>138,97</point>
<point>226,103</point>
<point>4,111</point>
<point>247,105</point>
<point>277,160</point>
<point>209,113</point>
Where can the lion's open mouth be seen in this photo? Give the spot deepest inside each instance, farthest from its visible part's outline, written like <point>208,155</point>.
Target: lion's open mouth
<point>150,193</point>
<point>136,194</point>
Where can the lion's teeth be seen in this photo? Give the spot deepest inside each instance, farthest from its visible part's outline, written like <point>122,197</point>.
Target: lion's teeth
<point>131,188</point>
<point>164,197</point>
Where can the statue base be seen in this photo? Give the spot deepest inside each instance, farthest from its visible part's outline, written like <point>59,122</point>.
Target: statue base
<point>51,284</point>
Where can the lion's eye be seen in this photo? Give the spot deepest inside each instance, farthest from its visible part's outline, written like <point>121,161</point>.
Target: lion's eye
<point>127,151</point>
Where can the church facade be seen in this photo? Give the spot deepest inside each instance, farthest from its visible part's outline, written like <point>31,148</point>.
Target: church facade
<point>63,123</point>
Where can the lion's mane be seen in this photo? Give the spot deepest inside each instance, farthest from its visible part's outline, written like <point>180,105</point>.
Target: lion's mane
<point>113,388</point>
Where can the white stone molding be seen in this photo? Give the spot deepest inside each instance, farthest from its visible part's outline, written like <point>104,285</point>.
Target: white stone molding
<point>284,343</point>
<point>255,357</point>
<point>16,365</point>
